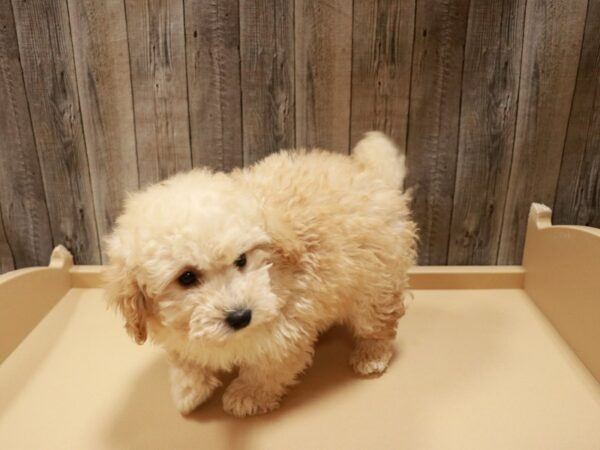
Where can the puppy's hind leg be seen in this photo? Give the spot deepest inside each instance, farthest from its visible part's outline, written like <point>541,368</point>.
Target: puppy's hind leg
<point>374,325</point>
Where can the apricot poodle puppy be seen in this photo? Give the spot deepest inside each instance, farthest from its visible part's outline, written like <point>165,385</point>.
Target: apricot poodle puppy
<point>244,270</point>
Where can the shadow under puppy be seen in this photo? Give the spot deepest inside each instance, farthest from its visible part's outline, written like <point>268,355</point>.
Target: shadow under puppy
<point>246,269</point>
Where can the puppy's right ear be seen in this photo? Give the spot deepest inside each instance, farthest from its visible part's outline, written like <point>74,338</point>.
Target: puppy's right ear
<point>123,291</point>
<point>287,247</point>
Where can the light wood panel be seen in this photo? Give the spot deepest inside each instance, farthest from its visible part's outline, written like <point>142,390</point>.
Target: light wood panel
<point>490,91</point>
<point>440,31</point>
<point>22,198</point>
<point>382,44</point>
<point>213,68</point>
<point>101,98</point>
<point>267,77</point>
<point>156,39</point>
<point>323,41</point>
<point>46,50</point>
<point>578,193</point>
<point>551,48</point>
<point>103,78</point>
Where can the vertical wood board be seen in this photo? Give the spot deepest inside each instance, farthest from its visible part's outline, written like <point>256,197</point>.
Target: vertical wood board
<point>551,48</point>
<point>434,114</point>
<point>22,197</point>
<point>267,77</point>
<point>104,82</point>
<point>578,193</point>
<point>490,91</point>
<point>382,45</point>
<point>49,73</point>
<point>323,42</point>
<point>155,30</point>
<point>213,70</point>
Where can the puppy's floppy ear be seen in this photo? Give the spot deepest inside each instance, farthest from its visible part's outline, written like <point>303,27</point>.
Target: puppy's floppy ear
<point>133,307</point>
<point>123,291</point>
<point>286,245</point>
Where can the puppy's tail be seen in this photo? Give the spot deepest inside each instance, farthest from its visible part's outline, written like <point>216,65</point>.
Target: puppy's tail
<point>377,153</point>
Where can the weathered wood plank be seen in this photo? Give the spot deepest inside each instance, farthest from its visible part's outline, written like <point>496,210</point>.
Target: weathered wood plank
<point>158,76</point>
<point>551,48</point>
<point>103,78</point>
<point>213,68</point>
<point>267,76</point>
<point>7,262</point>
<point>46,50</point>
<point>323,43</point>
<point>578,194</point>
<point>22,197</point>
<point>382,44</point>
<point>433,120</point>
<point>487,128</point>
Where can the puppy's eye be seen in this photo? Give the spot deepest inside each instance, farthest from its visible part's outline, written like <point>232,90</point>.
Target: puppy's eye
<point>187,278</point>
<point>240,261</point>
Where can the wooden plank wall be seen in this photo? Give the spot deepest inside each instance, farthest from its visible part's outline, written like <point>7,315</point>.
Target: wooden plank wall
<point>496,104</point>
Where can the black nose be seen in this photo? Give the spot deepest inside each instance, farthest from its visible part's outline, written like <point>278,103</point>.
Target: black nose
<point>239,318</point>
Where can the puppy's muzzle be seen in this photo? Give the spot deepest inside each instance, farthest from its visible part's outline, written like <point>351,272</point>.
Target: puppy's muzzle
<point>238,319</point>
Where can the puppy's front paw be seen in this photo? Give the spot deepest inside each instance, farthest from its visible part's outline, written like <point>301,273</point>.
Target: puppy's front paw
<point>188,398</point>
<point>371,357</point>
<point>189,392</point>
<point>242,399</point>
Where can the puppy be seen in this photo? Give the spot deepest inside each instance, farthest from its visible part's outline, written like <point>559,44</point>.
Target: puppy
<point>244,270</point>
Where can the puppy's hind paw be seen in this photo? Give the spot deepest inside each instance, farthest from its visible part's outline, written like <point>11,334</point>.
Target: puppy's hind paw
<point>371,357</point>
<point>241,399</point>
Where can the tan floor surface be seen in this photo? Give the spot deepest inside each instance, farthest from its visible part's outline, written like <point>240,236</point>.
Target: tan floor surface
<point>476,369</point>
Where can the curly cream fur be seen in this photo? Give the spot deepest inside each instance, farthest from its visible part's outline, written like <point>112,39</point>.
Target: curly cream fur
<point>328,240</point>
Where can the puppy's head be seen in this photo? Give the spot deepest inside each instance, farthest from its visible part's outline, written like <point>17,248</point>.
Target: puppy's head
<point>191,256</point>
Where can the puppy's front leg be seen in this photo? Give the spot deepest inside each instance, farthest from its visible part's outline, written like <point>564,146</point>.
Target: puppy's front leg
<point>259,388</point>
<point>191,384</point>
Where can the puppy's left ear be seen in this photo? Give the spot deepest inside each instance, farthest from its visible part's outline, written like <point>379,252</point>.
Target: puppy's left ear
<point>133,307</point>
<point>123,292</point>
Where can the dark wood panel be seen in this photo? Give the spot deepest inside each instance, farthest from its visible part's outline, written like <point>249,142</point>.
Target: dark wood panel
<point>213,68</point>
<point>158,75</point>
<point>382,44</point>
<point>22,197</point>
<point>267,76</point>
<point>551,48</point>
<point>44,36</point>
<point>323,42</point>
<point>103,78</point>
<point>487,128</point>
<point>578,194</point>
<point>433,120</point>
<point>7,262</point>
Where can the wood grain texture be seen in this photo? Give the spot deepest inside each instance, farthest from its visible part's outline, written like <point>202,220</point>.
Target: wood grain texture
<point>158,75</point>
<point>213,68</point>
<point>267,77</point>
<point>382,44</point>
<point>433,120</point>
<point>323,43</point>
<point>7,262</point>
<point>103,79</point>
<point>44,36</point>
<point>487,128</point>
<point>22,197</point>
<point>551,49</point>
<point>578,194</point>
